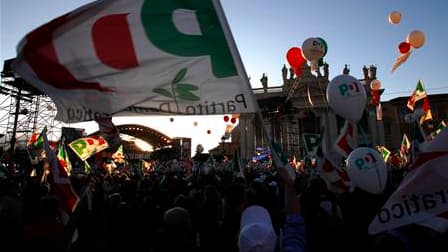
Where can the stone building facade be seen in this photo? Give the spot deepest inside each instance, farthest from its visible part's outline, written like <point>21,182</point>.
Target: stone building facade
<point>300,106</point>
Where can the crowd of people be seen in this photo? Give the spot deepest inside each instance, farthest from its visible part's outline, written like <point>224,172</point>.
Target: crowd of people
<point>217,208</point>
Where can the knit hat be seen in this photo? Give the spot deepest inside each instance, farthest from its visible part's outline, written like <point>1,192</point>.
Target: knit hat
<point>256,231</point>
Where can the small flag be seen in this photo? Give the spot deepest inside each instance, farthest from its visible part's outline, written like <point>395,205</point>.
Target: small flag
<point>63,158</point>
<point>418,94</point>
<point>36,140</point>
<point>345,143</point>
<point>440,127</point>
<point>311,142</point>
<point>118,156</point>
<point>88,146</point>
<point>404,147</point>
<point>384,152</point>
<point>67,198</point>
<point>427,116</point>
<point>329,165</point>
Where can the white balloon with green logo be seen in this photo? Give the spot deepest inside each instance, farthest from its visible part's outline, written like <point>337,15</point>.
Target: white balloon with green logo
<point>347,97</point>
<point>367,170</point>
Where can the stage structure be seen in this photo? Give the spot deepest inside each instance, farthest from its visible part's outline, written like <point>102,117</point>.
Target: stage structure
<point>23,111</point>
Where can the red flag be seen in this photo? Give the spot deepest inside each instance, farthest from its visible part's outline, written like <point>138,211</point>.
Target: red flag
<point>346,140</point>
<point>427,116</point>
<point>418,94</point>
<point>63,158</point>
<point>336,178</point>
<point>67,198</point>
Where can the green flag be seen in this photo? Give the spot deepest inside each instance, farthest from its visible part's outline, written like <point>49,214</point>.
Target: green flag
<point>384,152</point>
<point>311,142</point>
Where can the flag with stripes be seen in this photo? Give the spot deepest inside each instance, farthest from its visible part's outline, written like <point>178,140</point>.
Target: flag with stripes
<point>36,140</point>
<point>329,165</point>
<point>418,94</point>
<point>439,128</point>
<point>137,57</point>
<point>346,143</point>
<point>385,153</point>
<point>67,198</point>
<point>404,147</point>
<point>422,195</point>
<point>63,158</point>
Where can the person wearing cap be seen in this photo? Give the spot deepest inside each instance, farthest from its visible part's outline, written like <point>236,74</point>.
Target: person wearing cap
<point>256,229</point>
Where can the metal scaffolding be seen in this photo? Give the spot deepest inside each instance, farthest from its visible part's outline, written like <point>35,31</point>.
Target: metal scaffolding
<point>24,110</point>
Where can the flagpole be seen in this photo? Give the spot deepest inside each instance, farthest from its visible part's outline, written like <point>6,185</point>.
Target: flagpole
<point>277,161</point>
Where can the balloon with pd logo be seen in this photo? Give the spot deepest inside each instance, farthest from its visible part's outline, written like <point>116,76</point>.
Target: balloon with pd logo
<point>313,50</point>
<point>367,170</point>
<point>347,97</point>
<point>325,46</point>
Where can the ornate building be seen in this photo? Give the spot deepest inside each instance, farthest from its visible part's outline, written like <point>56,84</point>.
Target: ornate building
<point>300,106</point>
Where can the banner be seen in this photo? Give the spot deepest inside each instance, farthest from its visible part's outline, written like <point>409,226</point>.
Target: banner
<point>422,194</point>
<point>122,57</point>
<point>88,146</point>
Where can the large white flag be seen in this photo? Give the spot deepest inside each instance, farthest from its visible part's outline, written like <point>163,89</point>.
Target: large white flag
<point>423,193</point>
<point>121,57</point>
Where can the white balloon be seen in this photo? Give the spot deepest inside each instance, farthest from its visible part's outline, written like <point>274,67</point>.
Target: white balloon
<point>394,17</point>
<point>416,38</point>
<point>313,49</point>
<point>367,170</point>
<point>375,84</point>
<point>347,97</point>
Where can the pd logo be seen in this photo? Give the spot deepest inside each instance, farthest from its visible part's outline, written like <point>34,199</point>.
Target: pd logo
<point>366,162</point>
<point>367,170</point>
<point>349,89</point>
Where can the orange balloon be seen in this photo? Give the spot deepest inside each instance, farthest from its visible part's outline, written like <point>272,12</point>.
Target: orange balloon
<point>416,38</point>
<point>394,17</point>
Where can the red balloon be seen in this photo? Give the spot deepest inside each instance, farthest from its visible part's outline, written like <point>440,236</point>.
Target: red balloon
<point>404,47</point>
<point>295,57</point>
<point>209,131</point>
<point>233,120</point>
<point>226,118</point>
<point>297,71</point>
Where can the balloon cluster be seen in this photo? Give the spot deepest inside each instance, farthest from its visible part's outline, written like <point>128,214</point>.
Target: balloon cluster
<point>414,40</point>
<point>232,120</point>
<point>313,50</point>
